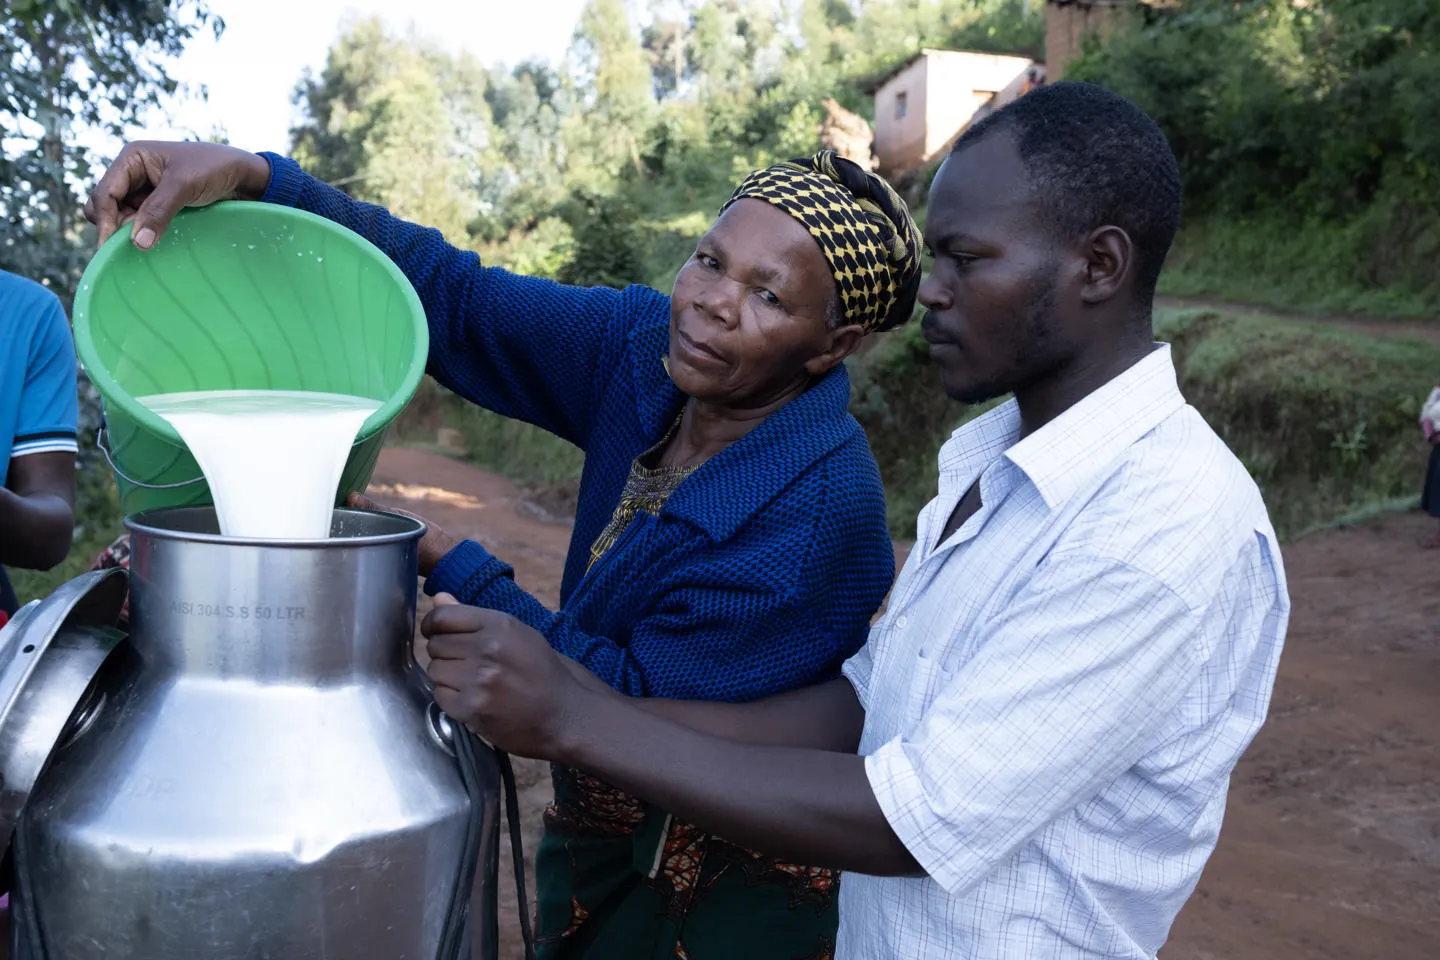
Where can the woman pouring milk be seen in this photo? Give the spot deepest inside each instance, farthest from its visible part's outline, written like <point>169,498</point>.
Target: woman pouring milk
<point>730,539</point>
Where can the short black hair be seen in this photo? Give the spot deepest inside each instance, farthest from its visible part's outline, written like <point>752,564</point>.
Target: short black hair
<point>1095,159</point>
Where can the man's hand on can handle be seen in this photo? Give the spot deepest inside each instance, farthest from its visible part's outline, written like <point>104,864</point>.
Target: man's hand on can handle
<point>501,679</point>
<point>151,181</point>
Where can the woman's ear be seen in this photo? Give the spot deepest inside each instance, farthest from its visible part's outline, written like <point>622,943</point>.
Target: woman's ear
<point>843,342</point>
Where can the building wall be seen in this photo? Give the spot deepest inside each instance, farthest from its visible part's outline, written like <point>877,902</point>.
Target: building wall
<point>942,91</point>
<point>1067,24</point>
<point>962,83</point>
<point>900,141</point>
<point>1033,77</point>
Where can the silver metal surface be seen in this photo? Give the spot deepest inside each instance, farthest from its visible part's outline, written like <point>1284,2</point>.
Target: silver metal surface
<point>48,659</point>
<point>263,779</point>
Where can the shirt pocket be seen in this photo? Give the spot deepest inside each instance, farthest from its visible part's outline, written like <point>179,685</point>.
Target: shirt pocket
<point>925,685</point>
<point>924,667</point>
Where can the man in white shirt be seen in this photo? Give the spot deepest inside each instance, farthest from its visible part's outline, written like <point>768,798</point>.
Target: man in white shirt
<point>1029,759</point>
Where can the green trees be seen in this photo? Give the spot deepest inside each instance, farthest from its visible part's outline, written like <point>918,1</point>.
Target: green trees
<point>398,123</point>
<point>73,67</point>
<point>73,64</point>
<point>607,249</point>
<point>614,84</point>
<point>589,169</point>
<point>1306,135</point>
<point>1306,131</point>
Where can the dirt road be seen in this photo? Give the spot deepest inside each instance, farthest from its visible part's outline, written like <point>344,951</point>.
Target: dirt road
<point>1331,844</point>
<point>1425,331</point>
<point>473,503</point>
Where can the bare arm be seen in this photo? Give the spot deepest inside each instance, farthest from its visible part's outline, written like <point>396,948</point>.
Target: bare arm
<point>826,716</point>
<point>792,792</point>
<point>37,516</point>
<point>799,802</point>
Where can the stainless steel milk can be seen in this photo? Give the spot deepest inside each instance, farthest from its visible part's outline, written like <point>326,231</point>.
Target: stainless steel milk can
<point>258,772</point>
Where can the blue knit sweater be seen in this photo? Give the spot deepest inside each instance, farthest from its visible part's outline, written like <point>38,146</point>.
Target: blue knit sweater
<point>765,566</point>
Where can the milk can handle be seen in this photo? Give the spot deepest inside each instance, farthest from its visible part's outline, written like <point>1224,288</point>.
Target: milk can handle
<point>465,744</point>
<point>517,849</point>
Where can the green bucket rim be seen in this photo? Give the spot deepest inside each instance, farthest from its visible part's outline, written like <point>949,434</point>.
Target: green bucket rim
<point>109,387</point>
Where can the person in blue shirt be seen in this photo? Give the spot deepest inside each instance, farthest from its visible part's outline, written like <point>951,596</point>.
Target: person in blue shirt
<point>38,413</point>
<point>730,539</point>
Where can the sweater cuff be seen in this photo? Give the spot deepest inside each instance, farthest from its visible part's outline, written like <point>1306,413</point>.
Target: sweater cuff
<point>466,572</point>
<point>286,180</point>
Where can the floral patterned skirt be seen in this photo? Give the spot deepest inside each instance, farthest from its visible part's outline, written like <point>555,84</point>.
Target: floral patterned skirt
<point>621,880</point>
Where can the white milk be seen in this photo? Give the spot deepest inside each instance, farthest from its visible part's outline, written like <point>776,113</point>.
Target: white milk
<point>273,458</point>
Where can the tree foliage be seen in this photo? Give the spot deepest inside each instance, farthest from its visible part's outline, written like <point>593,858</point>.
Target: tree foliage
<point>569,162</point>
<point>1314,107</point>
<point>398,123</point>
<point>73,65</point>
<point>607,250</point>
<point>1308,139</point>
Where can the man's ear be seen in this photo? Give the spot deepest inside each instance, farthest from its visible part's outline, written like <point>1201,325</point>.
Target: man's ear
<point>1109,263</point>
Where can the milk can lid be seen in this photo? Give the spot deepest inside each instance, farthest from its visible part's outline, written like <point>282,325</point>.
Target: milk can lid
<point>50,653</point>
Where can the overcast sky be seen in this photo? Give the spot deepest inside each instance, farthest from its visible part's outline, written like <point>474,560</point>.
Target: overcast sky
<point>252,69</point>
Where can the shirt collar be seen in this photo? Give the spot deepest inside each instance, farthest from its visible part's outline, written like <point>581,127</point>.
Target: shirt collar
<point>741,480</point>
<point>980,442</point>
<point>1062,455</point>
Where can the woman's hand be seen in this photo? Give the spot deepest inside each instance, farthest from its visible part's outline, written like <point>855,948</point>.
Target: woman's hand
<point>150,181</point>
<point>433,546</point>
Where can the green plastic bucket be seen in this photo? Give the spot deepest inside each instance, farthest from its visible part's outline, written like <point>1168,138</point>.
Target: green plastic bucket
<point>241,296</point>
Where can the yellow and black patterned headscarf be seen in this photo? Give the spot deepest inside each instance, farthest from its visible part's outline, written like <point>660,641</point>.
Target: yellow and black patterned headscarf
<point>863,227</point>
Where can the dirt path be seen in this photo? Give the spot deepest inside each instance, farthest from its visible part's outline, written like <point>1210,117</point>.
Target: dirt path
<point>1331,844</point>
<point>1427,331</point>
<point>473,503</point>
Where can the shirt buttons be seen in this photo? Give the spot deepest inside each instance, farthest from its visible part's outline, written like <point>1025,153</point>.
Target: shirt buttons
<point>902,621</point>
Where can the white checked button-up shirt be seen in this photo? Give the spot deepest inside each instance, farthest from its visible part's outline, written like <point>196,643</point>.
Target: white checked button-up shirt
<point>1057,694</point>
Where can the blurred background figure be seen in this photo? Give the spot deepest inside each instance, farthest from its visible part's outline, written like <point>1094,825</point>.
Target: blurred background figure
<point>1430,496</point>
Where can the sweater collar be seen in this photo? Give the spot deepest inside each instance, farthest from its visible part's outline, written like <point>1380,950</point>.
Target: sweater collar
<point>727,490</point>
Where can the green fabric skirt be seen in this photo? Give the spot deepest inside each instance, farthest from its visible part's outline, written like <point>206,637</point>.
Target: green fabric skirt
<point>620,880</point>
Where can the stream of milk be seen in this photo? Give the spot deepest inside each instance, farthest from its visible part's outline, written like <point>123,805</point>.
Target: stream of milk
<point>272,458</point>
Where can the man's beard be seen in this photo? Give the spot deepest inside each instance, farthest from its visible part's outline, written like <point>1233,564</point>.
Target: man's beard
<point>1031,345</point>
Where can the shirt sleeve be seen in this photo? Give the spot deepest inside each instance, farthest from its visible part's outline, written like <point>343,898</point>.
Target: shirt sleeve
<point>1063,695</point>
<point>49,405</point>
<point>858,670</point>
<point>525,347</point>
